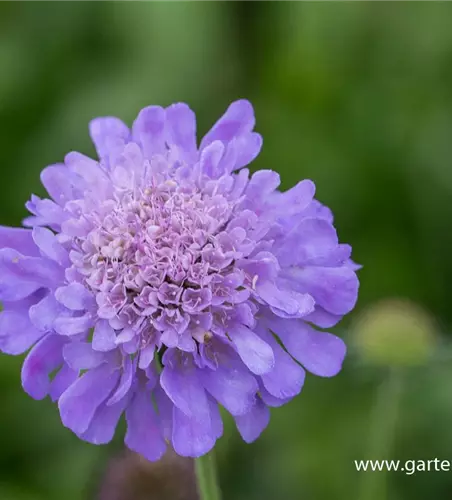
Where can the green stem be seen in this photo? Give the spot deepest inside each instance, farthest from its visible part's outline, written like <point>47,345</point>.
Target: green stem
<point>206,477</point>
<point>385,413</point>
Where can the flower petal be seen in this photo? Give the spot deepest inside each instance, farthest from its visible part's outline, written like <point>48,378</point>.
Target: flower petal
<point>146,356</point>
<point>287,377</point>
<point>25,270</point>
<point>44,313</point>
<point>293,201</point>
<point>58,181</point>
<point>165,411</point>
<point>125,382</point>
<point>232,387</point>
<point>333,288</point>
<point>47,212</point>
<point>149,130</point>
<point>191,437</point>
<point>254,352</point>
<point>215,418</point>
<point>319,352</point>
<point>93,175</point>
<point>75,297</point>
<point>62,380</point>
<point>104,337</point>
<point>271,400</point>
<point>44,358</point>
<point>285,302</point>
<point>103,425</point>
<point>182,126</point>
<point>81,356</point>
<point>237,120</point>
<point>186,391</point>
<point>254,422</point>
<point>49,246</point>
<point>210,159</point>
<point>108,134</point>
<point>313,238</point>
<point>73,325</point>
<point>248,148</point>
<point>322,318</point>
<point>15,284</point>
<point>19,239</point>
<point>17,334</point>
<point>262,184</point>
<point>143,433</point>
<point>79,402</point>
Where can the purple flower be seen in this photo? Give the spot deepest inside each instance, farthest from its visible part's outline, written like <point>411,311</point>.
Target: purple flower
<point>163,280</point>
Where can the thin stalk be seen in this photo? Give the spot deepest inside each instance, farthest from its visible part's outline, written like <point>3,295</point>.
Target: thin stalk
<point>385,413</point>
<point>206,477</point>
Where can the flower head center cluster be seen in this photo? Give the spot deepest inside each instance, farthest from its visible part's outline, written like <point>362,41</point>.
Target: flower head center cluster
<point>158,261</point>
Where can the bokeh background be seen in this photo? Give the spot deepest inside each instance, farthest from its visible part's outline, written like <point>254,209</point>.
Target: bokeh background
<point>357,97</point>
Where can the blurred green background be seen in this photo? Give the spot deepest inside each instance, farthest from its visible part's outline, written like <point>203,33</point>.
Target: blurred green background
<point>357,97</point>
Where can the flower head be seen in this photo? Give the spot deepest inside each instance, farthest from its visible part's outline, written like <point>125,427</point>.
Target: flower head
<point>163,280</point>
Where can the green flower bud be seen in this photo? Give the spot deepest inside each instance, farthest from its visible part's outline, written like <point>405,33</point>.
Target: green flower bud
<point>395,332</point>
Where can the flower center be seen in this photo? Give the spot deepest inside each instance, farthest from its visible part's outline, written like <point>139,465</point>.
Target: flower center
<point>159,259</point>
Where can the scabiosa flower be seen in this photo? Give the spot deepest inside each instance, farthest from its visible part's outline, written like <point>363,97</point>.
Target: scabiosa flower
<point>163,280</point>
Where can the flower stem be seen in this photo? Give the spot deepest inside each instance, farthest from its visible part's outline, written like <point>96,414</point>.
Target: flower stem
<point>383,425</point>
<point>206,477</point>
